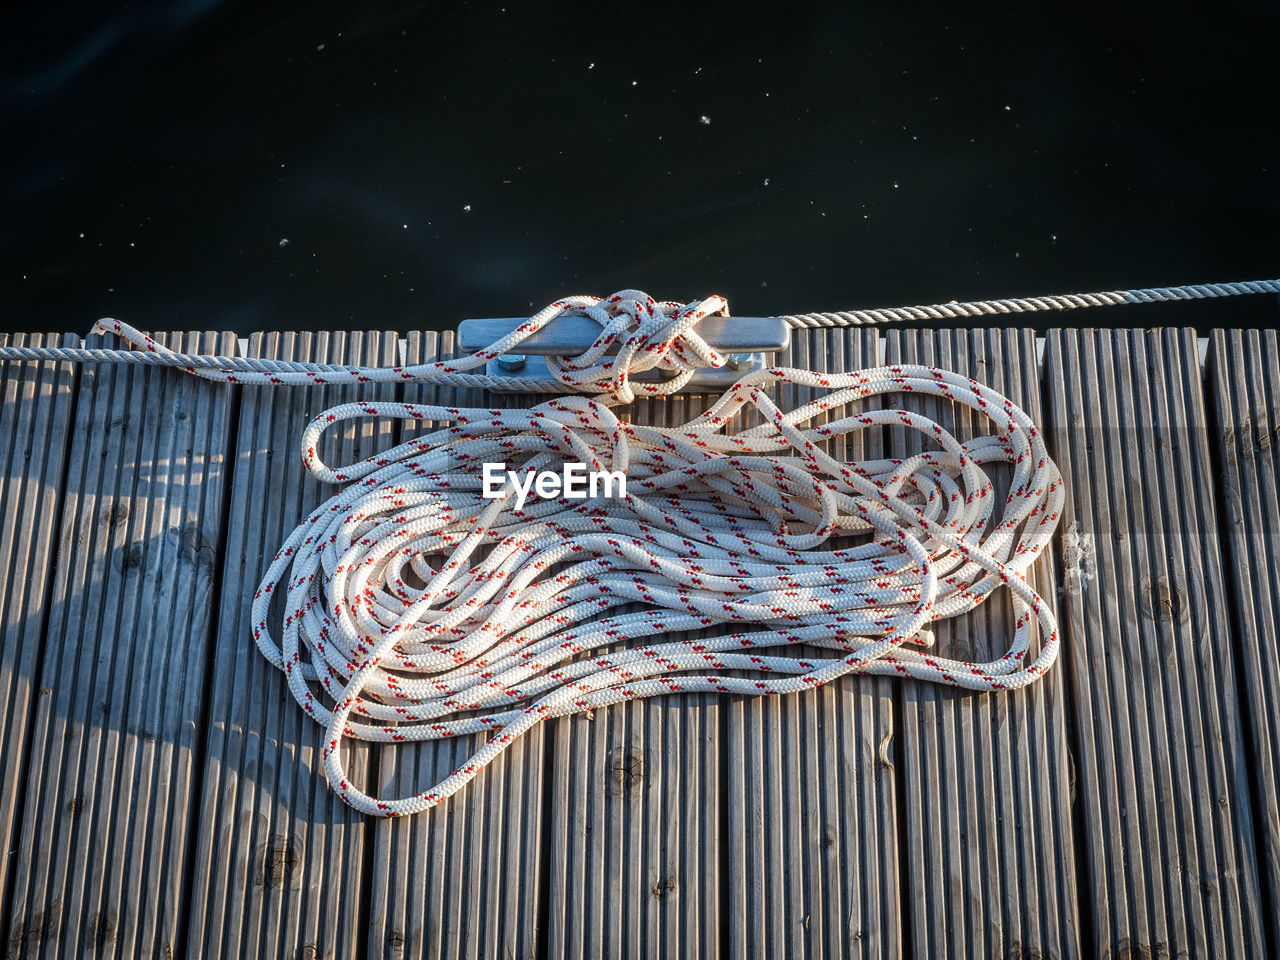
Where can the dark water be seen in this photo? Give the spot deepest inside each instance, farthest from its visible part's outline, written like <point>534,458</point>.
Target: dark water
<point>400,165</point>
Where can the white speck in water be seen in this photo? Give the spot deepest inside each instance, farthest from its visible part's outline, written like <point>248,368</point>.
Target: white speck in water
<point>704,120</point>
<point>633,83</point>
<point>467,208</point>
<point>319,47</point>
<point>405,226</point>
<point>1007,107</point>
<point>766,181</point>
<point>895,184</point>
<point>591,66</point>
<point>284,241</point>
<point>82,236</point>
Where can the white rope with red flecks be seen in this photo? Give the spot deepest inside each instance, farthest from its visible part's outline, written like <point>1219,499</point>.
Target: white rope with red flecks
<point>414,609</point>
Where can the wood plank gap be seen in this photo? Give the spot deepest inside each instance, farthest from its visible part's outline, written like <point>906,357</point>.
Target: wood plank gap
<point>1086,919</point>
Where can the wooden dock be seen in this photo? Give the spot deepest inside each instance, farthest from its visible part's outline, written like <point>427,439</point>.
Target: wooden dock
<point>162,797</point>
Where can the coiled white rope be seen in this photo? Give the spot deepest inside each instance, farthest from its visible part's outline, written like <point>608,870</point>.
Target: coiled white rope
<point>396,628</point>
<point>416,609</point>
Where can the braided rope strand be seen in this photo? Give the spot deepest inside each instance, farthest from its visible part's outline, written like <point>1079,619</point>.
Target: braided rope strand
<point>1073,301</point>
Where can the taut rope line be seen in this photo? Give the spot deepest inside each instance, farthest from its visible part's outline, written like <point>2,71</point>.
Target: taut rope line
<point>416,609</point>
<point>689,347</point>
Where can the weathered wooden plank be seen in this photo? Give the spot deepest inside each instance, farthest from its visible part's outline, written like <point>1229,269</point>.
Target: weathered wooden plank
<point>636,805</point>
<point>812,818</point>
<point>1244,399</point>
<point>1167,829</point>
<point>35,412</point>
<point>464,879</point>
<point>991,868</point>
<point>280,858</point>
<point>100,862</point>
